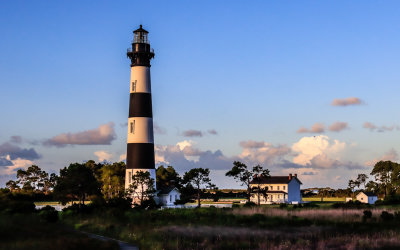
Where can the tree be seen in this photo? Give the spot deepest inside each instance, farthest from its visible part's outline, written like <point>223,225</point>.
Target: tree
<point>386,174</point>
<point>76,182</point>
<point>12,185</point>
<point>352,185</point>
<point>167,177</point>
<point>260,175</point>
<point>141,188</point>
<point>361,179</point>
<point>112,178</point>
<point>241,174</point>
<point>198,177</point>
<point>32,179</point>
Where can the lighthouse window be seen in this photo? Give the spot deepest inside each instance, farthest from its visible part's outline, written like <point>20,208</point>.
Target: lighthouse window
<point>132,127</point>
<point>134,86</point>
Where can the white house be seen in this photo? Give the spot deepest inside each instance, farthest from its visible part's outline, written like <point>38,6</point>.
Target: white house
<point>281,189</point>
<point>168,196</point>
<point>367,197</point>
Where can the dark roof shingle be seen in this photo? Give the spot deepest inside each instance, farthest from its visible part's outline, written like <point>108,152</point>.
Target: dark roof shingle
<point>276,180</point>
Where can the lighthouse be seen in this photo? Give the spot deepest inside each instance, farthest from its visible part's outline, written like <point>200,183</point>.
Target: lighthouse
<point>140,148</point>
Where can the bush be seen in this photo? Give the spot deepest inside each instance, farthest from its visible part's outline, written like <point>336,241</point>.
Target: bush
<point>367,214</point>
<point>283,205</point>
<point>249,204</point>
<point>49,214</point>
<point>386,216</point>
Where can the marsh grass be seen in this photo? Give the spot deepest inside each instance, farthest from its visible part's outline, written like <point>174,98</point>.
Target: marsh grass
<point>243,228</point>
<point>30,231</point>
<point>337,215</point>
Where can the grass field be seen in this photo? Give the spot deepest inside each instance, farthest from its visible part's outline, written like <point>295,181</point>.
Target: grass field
<point>325,199</point>
<point>263,227</point>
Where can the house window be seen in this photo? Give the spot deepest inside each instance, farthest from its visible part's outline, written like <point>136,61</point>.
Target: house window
<point>362,198</point>
<point>176,197</point>
<point>170,198</point>
<point>271,187</point>
<point>134,86</point>
<point>279,196</point>
<point>132,127</point>
<point>284,187</point>
<point>278,187</point>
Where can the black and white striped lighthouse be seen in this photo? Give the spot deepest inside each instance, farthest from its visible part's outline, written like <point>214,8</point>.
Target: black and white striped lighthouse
<point>140,151</point>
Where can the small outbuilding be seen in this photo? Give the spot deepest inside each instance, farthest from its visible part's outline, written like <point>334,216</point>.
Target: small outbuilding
<point>167,196</point>
<point>367,197</point>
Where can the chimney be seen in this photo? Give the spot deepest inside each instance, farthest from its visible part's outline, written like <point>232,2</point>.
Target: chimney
<point>290,177</point>
<point>295,175</point>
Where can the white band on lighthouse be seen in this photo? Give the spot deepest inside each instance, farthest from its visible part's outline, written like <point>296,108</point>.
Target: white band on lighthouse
<point>140,130</point>
<point>140,79</point>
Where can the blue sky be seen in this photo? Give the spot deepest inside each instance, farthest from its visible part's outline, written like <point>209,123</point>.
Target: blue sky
<point>255,72</point>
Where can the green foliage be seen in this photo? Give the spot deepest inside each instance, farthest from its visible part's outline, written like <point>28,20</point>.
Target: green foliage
<point>49,214</point>
<point>387,175</point>
<point>167,177</point>
<point>198,177</point>
<point>249,204</point>
<point>141,188</point>
<point>241,174</point>
<point>112,178</point>
<point>15,204</point>
<point>76,182</point>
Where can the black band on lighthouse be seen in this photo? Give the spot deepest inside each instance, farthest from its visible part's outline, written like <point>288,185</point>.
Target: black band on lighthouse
<point>140,105</point>
<point>140,155</point>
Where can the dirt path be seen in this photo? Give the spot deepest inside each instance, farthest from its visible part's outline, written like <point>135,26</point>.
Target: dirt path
<point>122,245</point>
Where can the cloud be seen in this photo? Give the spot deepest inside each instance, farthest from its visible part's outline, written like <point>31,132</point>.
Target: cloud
<point>103,155</point>
<point>347,101</point>
<point>309,173</point>
<point>15,152</point>
<point>318,152</point>
<point>262,152</point>
<point>316,128</point>
<point>103,135</point>
<point>252,144</point>
<point>4,162</point>
<point>338,126</point>
<point>192,133</point>
<point>159,130</point>
<point>391,155</point>
<point>302,130</point>
<point>122,157</point>
<point>16,139</point>
<point>212,132</point>
<point>373,127</point>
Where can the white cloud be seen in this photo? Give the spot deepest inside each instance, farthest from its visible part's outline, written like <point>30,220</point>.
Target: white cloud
<point>103,155</point>
<point>391,155</point>
<point>122,157</point>
<point>318,151</point>
<point>103,135</point>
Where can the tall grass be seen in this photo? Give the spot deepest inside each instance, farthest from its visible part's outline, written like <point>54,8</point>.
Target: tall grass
<point>341,215</point>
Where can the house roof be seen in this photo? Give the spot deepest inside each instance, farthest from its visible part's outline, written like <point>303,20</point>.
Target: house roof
<point>166,190</point>
<point>368,193</point>
<point>276,180</point>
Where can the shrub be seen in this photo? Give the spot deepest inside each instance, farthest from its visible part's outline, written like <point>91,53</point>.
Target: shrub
<point>283,205</point>
<point>249,204</point>
<point>386,216</point>
<point>367,214</point>
<point>49,214</point>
